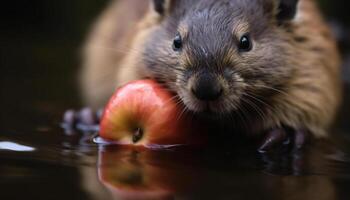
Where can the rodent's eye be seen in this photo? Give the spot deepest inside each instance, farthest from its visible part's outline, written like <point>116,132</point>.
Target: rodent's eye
<point>245,43</point>
<point>177,44</point>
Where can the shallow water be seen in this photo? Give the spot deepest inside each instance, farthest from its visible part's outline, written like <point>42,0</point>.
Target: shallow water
<point>38,159</point>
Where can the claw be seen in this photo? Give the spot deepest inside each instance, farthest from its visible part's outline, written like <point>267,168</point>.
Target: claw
<point>299,139</point>
<point>87,117</point>
<point>69,118</point>
<point>274,137</point>
<point>85,120</point>
<point>295,139</point>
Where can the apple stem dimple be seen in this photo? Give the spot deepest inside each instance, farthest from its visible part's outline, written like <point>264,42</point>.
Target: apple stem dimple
<point>137,135</point>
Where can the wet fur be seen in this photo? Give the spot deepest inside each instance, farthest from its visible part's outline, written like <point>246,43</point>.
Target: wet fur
<point>290,78</point>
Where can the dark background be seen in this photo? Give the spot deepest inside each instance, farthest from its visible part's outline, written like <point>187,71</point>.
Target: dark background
<point>40,42</point>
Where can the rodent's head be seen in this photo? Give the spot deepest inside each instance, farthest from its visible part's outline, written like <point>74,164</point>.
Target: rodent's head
<point>218,54</point>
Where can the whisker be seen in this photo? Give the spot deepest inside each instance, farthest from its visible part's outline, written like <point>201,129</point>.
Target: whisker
<point>272,88</point>
<point>253,96</point>
<point>256,108</point>
<point>244,115</point>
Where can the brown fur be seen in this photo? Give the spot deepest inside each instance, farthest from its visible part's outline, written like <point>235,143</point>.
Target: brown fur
<point>290,78</point>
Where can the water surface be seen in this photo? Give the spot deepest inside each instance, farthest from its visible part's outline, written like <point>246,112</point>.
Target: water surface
<point>38,159</point>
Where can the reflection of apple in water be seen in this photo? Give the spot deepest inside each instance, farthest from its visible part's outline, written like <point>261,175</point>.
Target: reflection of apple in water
<point>145,175</point>
<point>143,113</point>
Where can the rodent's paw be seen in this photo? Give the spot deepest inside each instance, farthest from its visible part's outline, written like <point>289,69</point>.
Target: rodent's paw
<point>85,120</point>
<point>293,139</point>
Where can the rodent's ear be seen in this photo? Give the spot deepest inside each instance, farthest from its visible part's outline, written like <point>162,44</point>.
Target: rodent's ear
<point>161,6</point>
<point>286,9</point>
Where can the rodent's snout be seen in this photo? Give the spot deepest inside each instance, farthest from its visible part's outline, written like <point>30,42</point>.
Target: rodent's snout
<point>210,91</point>
<point>206,87</point>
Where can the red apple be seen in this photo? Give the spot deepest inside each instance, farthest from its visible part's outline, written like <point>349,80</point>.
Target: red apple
<point>143,113</point>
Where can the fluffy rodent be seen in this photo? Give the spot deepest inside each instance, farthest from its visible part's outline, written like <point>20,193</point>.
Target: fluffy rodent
<point>264,64</point>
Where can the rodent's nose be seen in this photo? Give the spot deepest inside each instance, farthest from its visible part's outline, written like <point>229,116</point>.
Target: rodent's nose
<point>207,88</point>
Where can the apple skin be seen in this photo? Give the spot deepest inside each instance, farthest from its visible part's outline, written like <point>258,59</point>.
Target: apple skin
<point>143,113</point>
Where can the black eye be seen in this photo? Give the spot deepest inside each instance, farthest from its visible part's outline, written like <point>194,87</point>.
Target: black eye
<point>177,45</point>
<point>245,43</point>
